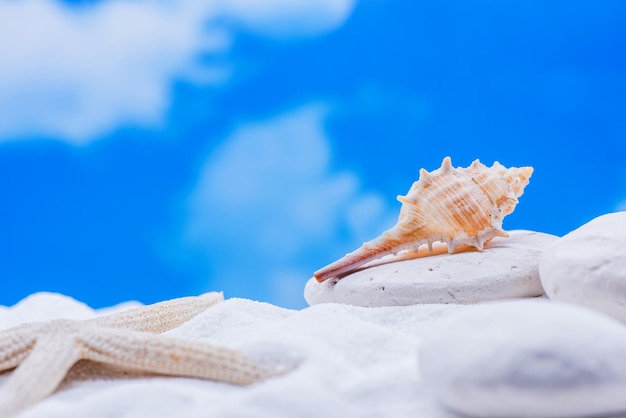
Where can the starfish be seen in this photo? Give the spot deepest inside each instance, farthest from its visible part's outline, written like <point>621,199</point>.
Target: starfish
<point>44,352</point>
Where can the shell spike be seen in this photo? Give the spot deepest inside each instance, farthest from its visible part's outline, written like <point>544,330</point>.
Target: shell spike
<point>446,165</point>
<point>475,164</point>
<point>499,232</point>
<point>402,199</point>
<point>424,176</point>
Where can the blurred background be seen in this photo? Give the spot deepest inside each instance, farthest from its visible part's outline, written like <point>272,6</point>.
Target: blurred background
<point>156,149</point>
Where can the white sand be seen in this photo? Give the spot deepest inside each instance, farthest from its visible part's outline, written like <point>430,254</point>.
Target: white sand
<point>350,362</point>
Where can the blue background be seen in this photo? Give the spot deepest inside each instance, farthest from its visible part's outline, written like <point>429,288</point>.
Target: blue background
<point>392,87</point>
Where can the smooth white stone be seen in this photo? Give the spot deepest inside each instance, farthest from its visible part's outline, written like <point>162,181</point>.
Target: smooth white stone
<point>588,266</point>
<point>506,268</point>
<point>527,359</point>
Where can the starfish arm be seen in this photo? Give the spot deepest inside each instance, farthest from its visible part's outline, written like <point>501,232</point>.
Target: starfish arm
<point>162,316</point>
<point>39,374</point>
<point>171,356</point>
<point>15,345</point>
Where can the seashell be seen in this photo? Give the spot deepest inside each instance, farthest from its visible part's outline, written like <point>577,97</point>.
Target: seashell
<point>458,206</point>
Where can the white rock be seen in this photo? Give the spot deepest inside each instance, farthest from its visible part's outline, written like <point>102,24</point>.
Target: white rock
<point>588,266</point>
<point>506,268</point>
<point>527,359</point>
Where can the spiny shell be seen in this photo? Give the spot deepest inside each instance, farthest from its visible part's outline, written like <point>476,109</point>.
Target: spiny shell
<point>458,206</point>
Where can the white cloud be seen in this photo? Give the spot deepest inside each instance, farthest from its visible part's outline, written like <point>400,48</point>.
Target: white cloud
<point>283,18</point>
<point>267,205</point>
<point>76,73</point>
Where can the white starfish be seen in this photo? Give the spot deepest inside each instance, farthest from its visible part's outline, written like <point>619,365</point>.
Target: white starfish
<point>45,351</point>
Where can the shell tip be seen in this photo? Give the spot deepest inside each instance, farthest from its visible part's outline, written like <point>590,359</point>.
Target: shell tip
<point>527,172</point>
<point>446,165</point>
<point>319,277</point>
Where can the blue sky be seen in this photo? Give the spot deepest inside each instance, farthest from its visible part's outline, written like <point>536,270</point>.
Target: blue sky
<point>150,150</point>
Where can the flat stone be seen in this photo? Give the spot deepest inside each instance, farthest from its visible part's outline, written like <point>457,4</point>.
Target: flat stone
<point>506,268</point>
<point>527,359</point>
<point>588,266</point>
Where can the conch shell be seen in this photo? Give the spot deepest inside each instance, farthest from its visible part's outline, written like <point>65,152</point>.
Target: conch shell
<point>458,206</point>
